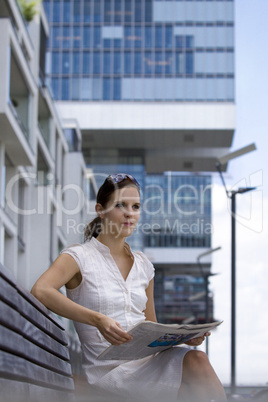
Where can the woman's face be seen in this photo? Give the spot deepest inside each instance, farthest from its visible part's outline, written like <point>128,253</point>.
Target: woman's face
<point>121,213</point>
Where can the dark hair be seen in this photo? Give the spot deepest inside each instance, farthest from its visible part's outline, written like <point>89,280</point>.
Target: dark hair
<point>94,227</point>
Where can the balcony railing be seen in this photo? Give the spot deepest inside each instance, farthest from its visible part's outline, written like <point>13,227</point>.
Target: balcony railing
<point>19,121</point>
<point>45,134</point>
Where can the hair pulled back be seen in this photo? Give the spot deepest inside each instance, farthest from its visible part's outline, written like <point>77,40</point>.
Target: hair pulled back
<point>105,192</point>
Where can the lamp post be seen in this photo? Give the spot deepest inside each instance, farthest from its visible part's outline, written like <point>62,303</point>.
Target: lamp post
<point>232,196</point>
<point>206,283</point>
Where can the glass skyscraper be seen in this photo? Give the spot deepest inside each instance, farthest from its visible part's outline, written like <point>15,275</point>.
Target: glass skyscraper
<point>142,50</point>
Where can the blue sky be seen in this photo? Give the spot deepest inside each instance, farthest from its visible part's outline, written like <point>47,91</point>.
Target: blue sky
<point>252,232</point>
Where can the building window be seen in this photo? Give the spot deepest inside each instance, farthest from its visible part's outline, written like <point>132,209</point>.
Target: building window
<point>87,11</point>
<point>72,139</point>
<point>106,62</point>
<point>117,89</point>
<point>76,63</point>
<point>97,37</point>
<point>67,11</point>
<point>96,63</point>
<point>86,37</point>
<point>86,62</point>
<point>127,63</point>
<point>117,62</point>
<point>97,11</point>
<point>65,89</point>
<point>106,89</point>
<point>137,63</point>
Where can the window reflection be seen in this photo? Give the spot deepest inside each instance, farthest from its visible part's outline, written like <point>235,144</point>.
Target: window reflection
<point>77,37</point>
<point>66,39</point>
<point>65,63</point>
<point>128,37</point>
<point>148,63</point>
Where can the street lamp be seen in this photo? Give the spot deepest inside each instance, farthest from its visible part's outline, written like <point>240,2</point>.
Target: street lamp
<point>232,196</point>
<point>206,283</point>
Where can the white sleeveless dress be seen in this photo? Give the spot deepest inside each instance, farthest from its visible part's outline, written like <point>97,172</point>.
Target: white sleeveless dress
<point>103,289</point>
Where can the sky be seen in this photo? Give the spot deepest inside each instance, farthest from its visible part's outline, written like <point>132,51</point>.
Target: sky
<point>251,68</point>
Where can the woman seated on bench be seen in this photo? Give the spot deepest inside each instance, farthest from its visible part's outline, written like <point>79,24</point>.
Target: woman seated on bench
<point>110,289</point>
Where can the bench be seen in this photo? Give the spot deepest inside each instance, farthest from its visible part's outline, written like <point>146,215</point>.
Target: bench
<point>34,355</point>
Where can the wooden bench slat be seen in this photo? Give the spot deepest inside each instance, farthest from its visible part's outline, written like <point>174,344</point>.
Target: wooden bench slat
<point>12,319</point>
<point>33,315</point>
<point>39,306</point>
<point>44,340</point>
<point>20,369</point>
<point>10,295</point>
<point>8,276</point>
<point>16,344</point>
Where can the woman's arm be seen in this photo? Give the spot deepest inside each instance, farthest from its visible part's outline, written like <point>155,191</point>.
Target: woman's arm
<point>46,289</point>
<point>150,308</point>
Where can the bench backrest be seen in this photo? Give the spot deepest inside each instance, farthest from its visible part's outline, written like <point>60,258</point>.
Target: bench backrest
<point>34,355</point>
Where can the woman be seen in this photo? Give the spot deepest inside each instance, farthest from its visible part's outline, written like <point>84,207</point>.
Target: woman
<point>110,289</point>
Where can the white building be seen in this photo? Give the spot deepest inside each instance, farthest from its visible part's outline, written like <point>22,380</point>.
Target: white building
<point>40,170</point>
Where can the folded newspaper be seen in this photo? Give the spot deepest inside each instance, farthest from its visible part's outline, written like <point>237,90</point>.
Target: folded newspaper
<point>151,337</point>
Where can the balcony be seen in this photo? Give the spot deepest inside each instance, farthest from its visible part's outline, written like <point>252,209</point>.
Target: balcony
<point>17,90</point>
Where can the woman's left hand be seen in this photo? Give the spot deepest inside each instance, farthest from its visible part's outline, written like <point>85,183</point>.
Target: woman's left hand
<point>197,341</point>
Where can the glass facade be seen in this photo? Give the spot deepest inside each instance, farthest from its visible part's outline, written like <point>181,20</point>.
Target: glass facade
<point>177,211</point>
<point>141,50</point>
<point>173,294</point>
<point>176,207</point>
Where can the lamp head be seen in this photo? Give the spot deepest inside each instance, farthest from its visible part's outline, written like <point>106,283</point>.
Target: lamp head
<point>232,155</point>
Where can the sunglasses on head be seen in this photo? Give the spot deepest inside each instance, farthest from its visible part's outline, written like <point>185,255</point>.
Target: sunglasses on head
<point>119,177</point>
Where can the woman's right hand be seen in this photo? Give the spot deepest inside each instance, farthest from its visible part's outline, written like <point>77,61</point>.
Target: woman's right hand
<point>112,330</point>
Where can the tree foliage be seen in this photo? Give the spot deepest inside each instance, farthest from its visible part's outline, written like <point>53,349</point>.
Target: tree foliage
<point>29,8</point>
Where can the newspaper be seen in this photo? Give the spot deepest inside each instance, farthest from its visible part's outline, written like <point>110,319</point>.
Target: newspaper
<point>151,337</point>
